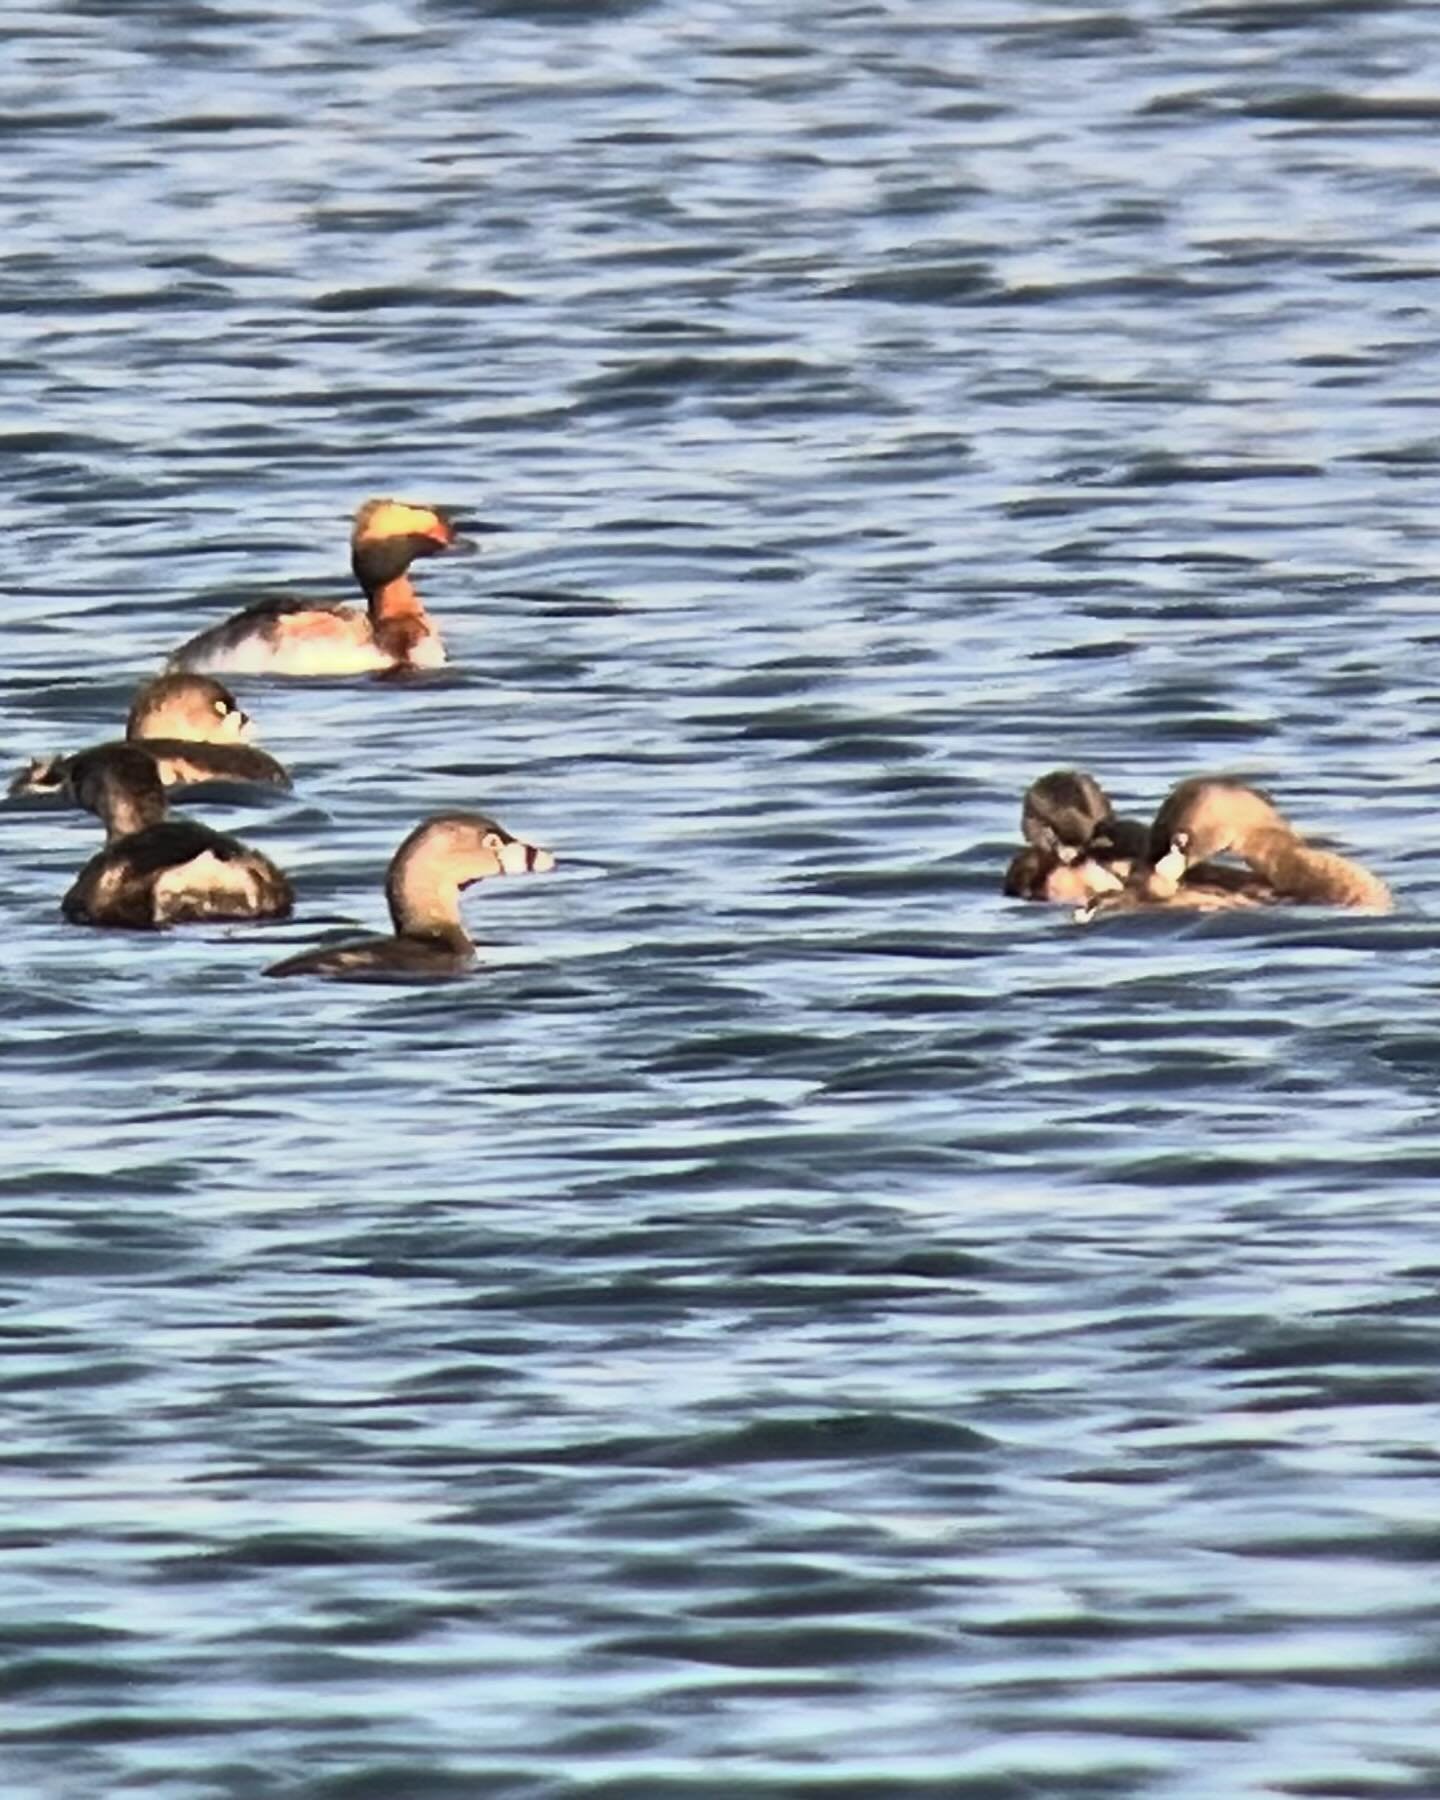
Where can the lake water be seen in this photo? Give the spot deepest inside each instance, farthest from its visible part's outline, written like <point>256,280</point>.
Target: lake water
<point>798,1326</point>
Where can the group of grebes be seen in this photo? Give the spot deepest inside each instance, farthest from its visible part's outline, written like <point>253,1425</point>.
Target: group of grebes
<point>185,728</point>
<point>1078,853</point>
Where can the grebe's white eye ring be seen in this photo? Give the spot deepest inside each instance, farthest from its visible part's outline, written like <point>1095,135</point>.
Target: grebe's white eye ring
<point>223,707</point>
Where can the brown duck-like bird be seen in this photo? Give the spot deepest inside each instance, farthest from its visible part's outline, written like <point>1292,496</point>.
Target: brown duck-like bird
<point>438,859</point>
<point>1206,817</point>
<point>301,637</point>
<point>192,726</point>
<point>156,871</point>
<point>1075,846</point>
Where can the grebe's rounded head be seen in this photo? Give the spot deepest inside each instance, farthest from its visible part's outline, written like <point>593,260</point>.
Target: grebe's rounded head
<point>1205,817</point>
<point>194,708</point>
<point>448,852</point>
<point>390,534</point>
<point>1061,811</point>
<point>469,846</point>
<point>405,518</point>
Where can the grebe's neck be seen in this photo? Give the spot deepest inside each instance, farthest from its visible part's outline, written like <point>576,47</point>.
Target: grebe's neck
<point>399,634</point>
<point>424,899</point>
<point>124,809</point>
<point>395,599</point>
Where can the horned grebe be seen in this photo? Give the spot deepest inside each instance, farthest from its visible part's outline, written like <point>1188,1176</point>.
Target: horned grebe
<point>156,871</point>
<point>422,886</point>
<point>301,637</point>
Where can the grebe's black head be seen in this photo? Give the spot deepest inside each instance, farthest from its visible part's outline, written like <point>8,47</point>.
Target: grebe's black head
<point>390,534</point>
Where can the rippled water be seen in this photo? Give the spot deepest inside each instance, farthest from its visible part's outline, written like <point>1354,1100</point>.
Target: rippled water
<point>799,1324</point>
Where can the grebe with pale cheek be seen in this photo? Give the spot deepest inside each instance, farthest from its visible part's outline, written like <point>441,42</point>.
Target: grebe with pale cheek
<point>192,726</point>
<point>430,942</point>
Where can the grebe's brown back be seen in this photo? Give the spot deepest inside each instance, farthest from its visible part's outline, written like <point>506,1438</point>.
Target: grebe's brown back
<point>154,870</point>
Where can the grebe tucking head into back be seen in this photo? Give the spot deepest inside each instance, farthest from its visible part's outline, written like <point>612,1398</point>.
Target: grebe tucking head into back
<point>157,871</point>
<point>1209,816</point>
<point>192,726</point>
<point>439,858</point>
<point>301,637</point>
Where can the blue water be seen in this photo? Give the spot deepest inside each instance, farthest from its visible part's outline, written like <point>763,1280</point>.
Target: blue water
<point>798,1325</point>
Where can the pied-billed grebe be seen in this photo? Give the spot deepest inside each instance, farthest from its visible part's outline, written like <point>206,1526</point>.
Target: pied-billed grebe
<point>156,871</point>
<point>426,874</point>
<point>192,726</point>
<point>301,637</point>
<point>1206,817</point>
<point>1076,848</point>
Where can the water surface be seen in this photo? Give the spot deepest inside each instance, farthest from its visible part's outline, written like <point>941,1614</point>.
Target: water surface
<point>798,1324</point>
